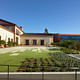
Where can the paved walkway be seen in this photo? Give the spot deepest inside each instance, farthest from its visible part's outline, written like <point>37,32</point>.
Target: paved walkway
<point>75,56</point>
<point>5,50</point>
<point>14,49</point>
<point>22,48</point>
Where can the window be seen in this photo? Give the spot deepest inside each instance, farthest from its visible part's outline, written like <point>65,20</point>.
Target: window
<point>34,42</point>
<point>0,37</point>
<point>11,40</point>
<point>8,39</point>
<point>17,40</point>
<point>17,32</point>
<point>27,42</point>
<point>42,42</point>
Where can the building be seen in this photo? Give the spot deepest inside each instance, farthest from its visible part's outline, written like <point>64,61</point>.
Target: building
<point>11,32</point>
<point>37,39</point>
<point>61,37</point>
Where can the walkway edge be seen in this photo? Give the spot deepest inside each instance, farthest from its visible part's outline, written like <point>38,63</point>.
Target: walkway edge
<point>39,72</point>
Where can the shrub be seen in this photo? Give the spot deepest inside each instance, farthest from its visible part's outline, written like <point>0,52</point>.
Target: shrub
<point>71,44</point>
<point>2,42</point>
<point>30,69</point>
<point>37,69</point>
<point>10,43</point>
<point>15,44</point>
<point>46,69</point>
<point>63,69</point>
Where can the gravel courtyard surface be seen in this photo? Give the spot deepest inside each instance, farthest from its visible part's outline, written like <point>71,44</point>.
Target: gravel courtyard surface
<point>23,48</point>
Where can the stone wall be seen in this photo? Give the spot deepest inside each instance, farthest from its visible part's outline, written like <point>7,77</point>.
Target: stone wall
<point>47,40</point>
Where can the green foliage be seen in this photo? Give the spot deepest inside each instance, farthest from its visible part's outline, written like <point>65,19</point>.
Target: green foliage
<point>2,42</point>
<point>46,69</point>
<point>15,44</point>
<point>56,69</point>
<point>53,61</point>
<point>10,43</point>
<point>30,69</point>
<point>63,70</point>
<point>71,44</point>
<point>57,63</point>
<point>70,51</point>
<point>37,69</point>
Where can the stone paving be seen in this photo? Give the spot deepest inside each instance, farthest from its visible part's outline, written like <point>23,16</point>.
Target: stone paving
<point>75,55</point>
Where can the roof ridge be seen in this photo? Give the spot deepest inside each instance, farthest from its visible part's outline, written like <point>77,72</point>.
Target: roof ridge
<point>6,21</point>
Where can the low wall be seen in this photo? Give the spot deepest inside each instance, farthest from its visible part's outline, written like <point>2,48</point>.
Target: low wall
<point>39,76</point>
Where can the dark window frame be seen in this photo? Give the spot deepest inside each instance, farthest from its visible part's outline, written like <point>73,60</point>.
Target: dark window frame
<point>0,38</point>
<point>8,39</point>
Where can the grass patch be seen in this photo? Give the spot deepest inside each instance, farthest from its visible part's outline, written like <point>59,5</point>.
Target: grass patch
<point>6,59</point>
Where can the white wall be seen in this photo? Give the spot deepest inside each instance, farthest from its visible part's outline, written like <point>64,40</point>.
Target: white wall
<point>6,34</point>
<point>18,39</point>
<point>19,30</point>
<point>18,35</point>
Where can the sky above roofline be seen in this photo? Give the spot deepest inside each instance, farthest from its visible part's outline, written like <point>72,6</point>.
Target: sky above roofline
<point>59,16</point>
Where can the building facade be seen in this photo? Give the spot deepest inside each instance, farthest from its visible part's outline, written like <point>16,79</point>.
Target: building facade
<point>61,37</point>
<point>37,39</point>
<point>11,32</point>
<point>5,34</point>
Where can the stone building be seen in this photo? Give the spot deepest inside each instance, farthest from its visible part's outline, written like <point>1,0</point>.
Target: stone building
<point>37,39</point>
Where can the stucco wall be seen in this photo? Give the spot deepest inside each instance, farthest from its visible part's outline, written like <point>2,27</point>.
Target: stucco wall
<point>6,34</point>
<point>18,30</point>
<point>18,39</point>
<point>18,35</point>
<point>47,40</point>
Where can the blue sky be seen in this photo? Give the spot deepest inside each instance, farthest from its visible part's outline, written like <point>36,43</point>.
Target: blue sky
<point>59,16</point>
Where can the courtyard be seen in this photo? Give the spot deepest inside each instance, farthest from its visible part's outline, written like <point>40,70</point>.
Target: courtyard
<point>15,55</point>
<point>36,59</point>
<point>37,63</point>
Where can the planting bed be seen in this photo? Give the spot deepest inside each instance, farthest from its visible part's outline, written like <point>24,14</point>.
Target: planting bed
<point>56,62</point>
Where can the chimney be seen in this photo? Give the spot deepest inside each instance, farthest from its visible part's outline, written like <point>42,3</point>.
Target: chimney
<point>46,30</point>
<point>21,27</point>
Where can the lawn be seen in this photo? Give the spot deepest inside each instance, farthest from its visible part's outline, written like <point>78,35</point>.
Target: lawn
<point>44,60</point>
<point>10,59</point>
